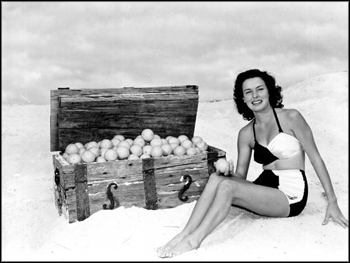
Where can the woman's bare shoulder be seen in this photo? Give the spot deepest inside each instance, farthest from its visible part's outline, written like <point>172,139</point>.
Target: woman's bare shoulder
<point>246,130</point>
<point>290,114</point>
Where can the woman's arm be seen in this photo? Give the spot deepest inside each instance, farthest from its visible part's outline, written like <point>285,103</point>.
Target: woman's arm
<point>304,134</point>
<point>244,153</point>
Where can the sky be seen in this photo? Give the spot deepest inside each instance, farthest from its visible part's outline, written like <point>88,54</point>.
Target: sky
<point>88,45</point>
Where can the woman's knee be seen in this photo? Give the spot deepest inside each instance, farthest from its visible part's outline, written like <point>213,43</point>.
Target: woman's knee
<point>229,187</point>
<point>215,178</point>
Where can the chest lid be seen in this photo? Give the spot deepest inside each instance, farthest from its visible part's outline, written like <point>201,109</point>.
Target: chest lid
<point>84,115</point>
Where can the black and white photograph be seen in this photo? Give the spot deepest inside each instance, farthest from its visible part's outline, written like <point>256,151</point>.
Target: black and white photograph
<point>174,131</point>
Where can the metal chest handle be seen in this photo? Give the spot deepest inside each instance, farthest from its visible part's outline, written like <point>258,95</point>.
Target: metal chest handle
<point>110,196</point>
<point>187,185</point>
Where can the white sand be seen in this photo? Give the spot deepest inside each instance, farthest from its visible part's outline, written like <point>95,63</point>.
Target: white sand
<point>32,229</point>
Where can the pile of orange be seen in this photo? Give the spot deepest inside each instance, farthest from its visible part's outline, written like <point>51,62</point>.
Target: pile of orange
<point>146,145</point>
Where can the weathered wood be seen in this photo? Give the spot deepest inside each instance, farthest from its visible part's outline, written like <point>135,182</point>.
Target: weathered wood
<point>126,92</point>
<point>102,104</point>
<point>70,205</point>
<point>129,176</point>
<point>126,195</point>
<point>112,119</point>
<point>53,122</point>
<point>95,114</point>
<point>81,191</point>
<point>149,183</point>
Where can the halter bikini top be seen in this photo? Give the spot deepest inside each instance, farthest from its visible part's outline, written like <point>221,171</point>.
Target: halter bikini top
<point>282,146</point>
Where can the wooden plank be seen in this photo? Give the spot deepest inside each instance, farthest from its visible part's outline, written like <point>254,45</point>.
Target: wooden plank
<point>108,120</point>
<point>76,103</point>
<point>166,177</point>
<point>188,89</point>
<point>81,191</point>
<point>126,195</point>
<point>53,123</point>
<point>70,206</point>
<point>149,183</point>
<point>131,171</point>
<point>79,102</point>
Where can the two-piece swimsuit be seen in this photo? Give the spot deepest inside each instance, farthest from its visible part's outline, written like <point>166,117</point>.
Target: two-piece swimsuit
<point>292,183</point>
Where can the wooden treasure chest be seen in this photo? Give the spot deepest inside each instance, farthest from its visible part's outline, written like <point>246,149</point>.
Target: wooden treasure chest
<point>85,115</point>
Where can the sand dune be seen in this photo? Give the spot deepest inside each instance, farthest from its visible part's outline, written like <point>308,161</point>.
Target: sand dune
<point>32,229</point>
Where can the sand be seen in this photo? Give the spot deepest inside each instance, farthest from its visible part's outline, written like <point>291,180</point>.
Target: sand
<point>32,229</point>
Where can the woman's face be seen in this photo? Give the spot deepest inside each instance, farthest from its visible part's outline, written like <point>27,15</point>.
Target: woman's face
<point>255,94</point>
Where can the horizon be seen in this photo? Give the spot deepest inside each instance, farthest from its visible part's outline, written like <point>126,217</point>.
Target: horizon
<point>202,101</point>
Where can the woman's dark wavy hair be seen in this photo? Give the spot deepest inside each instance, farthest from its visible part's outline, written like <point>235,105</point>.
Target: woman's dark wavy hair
<point>275,98</point>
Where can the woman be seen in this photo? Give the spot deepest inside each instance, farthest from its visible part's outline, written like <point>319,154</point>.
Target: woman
<point>279,137</point>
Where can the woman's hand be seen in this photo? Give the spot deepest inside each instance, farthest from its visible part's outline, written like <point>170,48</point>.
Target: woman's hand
<point>228,171</point>
<point>333,213</point>
<point>231,167</point>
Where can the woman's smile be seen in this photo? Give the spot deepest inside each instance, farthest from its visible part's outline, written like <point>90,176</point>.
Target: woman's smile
<point>257,102</point>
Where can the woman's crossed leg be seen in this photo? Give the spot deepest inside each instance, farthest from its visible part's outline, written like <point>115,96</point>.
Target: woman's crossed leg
<point>214,204</point>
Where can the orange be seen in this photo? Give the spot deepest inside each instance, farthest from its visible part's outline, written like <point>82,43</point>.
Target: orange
<point>156,142</point>
<point>103,151</point>
<point>88,157</point>
<point>174,140</point>
<point>100,159</point>
<point>91,144</point>
<point>124,144</point>
<point>191,151</point>
<point>79,144</point>
<point>133,157</point>
<point>111,155</point>
<point>136,149</point>
<point>95,150</point>
<point>182,138</point>
<point>74,158</point>
<point>147,149</point>
<point>179,151</point>
<point>105,143</point>
<point>202,145</point>
<point>82,150</point>
<point>143,156</point>
<point>140,142</point>
<point>168,138</point>
<point>115,141</point>
<point>167,149</point>
<point>130,141</point>
<point>123,152</point>
<point>222,165</point>
<point>186,143</point>
<point>157,151</point>
<point>65,156</point>
<point>120,137</point>
<point>147,135</point>
<point>72,148</point>
<point>173,145</point>
<point>196,139</point>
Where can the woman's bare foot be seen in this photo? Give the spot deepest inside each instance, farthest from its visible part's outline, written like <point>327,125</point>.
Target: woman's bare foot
<point>181,247</point>
<point>178,238</point>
